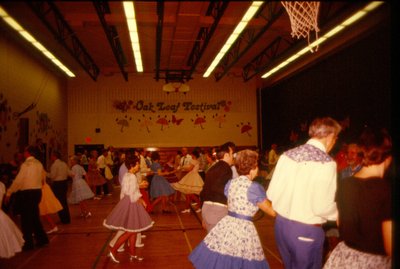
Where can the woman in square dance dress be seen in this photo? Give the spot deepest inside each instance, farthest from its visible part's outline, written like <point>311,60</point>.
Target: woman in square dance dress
<point>191,184</point>
<point>80,191</point>
<point>11,240</point>
<point>160,188</point>
<point>129,215</point>
<point>364,203</point>
<point>49,204</point>
<point>234,241</point>
<point>93,175</point>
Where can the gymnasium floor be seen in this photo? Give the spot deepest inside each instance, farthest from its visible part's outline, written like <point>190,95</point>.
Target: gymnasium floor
<point>83,243</point>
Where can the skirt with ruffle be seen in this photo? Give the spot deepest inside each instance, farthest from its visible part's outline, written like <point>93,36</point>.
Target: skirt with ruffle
<point>232,243</point>
<point>129,217</point>
<point>49,203</point>
<point>11,240</point>
<point>191,183</point>
<point>80,191</point>
<point>344,257</point>
<point>160,187</point>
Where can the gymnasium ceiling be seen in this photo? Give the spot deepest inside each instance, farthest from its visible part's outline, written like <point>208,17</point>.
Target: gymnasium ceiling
<point>178,39</point>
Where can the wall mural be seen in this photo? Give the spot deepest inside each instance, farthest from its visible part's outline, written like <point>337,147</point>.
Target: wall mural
<point>165,120</point>
<point>5,115</point>
<point>245,128</point>
<point>123,122</point>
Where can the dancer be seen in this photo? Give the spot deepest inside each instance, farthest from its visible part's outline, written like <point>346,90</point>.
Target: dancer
<point>29,184</point>
<point>302,192</point>
<point>11,240</point>
<point>191,184</point>
<point>365,208</point>
<point>234,241</point>
<point>213,196</point>
<point>49,204</point>
<point>80,189</point>
<point>94,178</point>
<point>160,189</point>
<point>129,215</point>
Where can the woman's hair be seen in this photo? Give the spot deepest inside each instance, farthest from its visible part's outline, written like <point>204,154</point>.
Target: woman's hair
<point>196,154</point>
<point>131,161</point>
<point>322,127</point>
<point>246,160</point>
<point>76,159</point>
<point>155,156</point>
<point>376,145</point>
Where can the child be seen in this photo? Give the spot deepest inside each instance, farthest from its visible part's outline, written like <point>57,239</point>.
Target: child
<point>80,189</point>
<point>129,215</point>
<point>11,240</point>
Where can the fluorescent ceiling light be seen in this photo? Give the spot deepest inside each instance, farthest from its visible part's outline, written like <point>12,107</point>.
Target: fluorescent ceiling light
<point>251,11</point>
<point>17,27</point>
<point>347,22</point>
<point>133,33</point>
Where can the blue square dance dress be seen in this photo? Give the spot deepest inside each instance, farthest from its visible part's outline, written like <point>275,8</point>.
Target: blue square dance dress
<point>234,242</point>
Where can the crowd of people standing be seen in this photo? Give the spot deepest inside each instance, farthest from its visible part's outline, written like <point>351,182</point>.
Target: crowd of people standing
<point>313,196</point>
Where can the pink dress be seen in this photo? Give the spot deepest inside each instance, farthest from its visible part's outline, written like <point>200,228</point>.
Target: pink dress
<point>129,214</point>
<point>93,175</point>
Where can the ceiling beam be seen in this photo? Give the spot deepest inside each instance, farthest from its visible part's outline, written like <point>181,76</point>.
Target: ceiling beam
<point>281,47</point>
<point>160,20</point>
<point>273,10</point>
<point>216,10</point>
<point>52,18</point>
<point>111,32</point>
<point>264,59</point>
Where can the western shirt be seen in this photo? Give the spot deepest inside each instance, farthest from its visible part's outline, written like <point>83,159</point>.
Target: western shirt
<point>303,185</point>
<point>59,171</point>
<point>30,176</point>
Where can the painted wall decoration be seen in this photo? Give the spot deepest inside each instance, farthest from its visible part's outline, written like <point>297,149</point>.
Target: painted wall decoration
<point>220,119</point>
<point>176,121</point>
<point>206,116</point>
<point>43,122</point>
<point>123,122</point>
<point>199,121</point>
<point>245,128</point>
<point>5,114</point>
<point>162,121</point>
<point>165,120</point>
<point>145,122</point>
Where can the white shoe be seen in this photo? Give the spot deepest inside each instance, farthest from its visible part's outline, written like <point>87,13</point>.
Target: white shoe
<point>139,245</point>
<point>193,203</point>
<point>96,198</point>
<point>198,210</point>
<point>55,229</point>
<point>88,214</point>
<point>113,257</point>
<point>144,236</point>
<point>185,211</point>
<point>135,257</point>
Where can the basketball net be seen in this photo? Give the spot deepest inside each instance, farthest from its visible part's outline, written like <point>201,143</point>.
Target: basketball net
<point>303,19</point>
